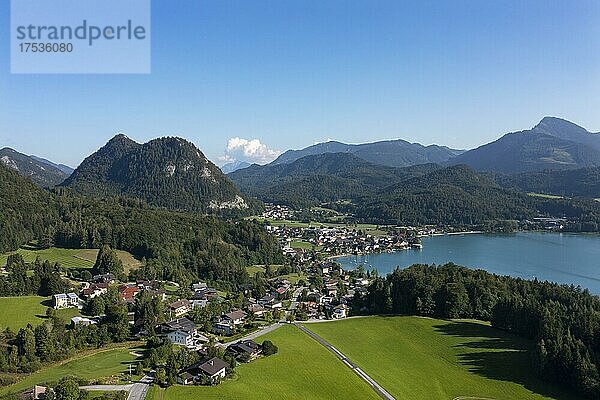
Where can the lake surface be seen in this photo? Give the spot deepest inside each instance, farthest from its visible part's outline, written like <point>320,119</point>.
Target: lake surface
<point>557,257</point>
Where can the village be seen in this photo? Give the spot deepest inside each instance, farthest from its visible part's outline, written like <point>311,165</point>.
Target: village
<point>206,318</point>
<point>335,238</point>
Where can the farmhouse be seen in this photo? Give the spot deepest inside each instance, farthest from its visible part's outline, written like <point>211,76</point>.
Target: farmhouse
<point>235,317</point>
<point>128,292</point>
<point>256,309</point>
<point>244,350</point>
<point>179,308</point>
<point>35,393</point>
<point>94,290</point>
<point>213,370</point>
<point>182,331</point>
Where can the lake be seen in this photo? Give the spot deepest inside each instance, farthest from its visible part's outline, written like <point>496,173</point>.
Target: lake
<point>557,257</point>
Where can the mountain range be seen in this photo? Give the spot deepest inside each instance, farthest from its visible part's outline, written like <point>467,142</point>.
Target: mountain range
<point>171,172</point>
<point>319,178</point>
<point>168,172</point>
<point>393,153</point>
<point>553,143</point>
<point>41,171</point>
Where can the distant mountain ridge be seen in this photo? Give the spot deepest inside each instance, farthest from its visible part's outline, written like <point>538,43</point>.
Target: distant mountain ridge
<point>553,143</point>
<point>42,172</point>
<point>319,178</point>
<point>168,172</point>
<point>64,168</point>
<point>415,195</point>
<point>392,153</point>
<point>234,166</point>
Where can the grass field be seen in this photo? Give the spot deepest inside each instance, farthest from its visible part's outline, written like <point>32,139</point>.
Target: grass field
<point>70,258</point>
<point>302,370</point>
<point>301,244</point>
<point>17,312</point>
<point>294,277</point>
<point>419,358</point>
<point>95,365</point>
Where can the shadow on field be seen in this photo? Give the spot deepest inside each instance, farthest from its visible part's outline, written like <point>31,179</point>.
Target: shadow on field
<point>46,302</point>
<point>495,354</point>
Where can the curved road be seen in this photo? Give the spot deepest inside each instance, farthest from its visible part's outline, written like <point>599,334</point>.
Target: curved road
<point>377,387</point>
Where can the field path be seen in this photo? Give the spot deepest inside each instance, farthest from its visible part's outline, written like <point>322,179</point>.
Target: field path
<point>377,387</point>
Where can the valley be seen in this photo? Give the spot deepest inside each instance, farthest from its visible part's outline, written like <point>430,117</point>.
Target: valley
<point>148,257</point>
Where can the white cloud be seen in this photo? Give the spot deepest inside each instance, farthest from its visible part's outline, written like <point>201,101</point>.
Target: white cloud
<point>253,151</point>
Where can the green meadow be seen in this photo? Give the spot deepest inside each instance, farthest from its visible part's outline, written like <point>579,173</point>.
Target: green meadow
<point>17,312</point>
<point>429,359</point>
<point>89,366</point>
<point>69,258</point>
<point>302,370</point>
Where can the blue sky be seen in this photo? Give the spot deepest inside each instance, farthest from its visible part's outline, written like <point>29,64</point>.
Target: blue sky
<point>286,74</point>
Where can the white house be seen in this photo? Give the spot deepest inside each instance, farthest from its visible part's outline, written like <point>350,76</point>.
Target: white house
<point>182,337</point>
<point>65,300</point>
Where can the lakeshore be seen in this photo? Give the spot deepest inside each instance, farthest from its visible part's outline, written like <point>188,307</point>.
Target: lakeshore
<point>558,257</point>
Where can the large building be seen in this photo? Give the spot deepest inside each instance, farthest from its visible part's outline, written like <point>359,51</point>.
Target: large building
<point>65,300</point>
<point>182,331</point>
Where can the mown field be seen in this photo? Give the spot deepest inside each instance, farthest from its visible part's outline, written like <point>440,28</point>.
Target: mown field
<point>70,258</point>
<point>90,366</point>
<point>419,358</point>
<point>17,312</point>
<point>302,370</point>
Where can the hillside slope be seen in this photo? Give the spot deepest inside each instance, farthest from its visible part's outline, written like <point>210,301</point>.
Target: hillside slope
<point>42,173</point>
<point>320,178</point>
<point>552,144</point>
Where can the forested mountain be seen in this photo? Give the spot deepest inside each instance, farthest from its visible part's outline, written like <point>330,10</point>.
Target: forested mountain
<point>459,196</point>
<point>567,130</point>
<point>177,246</point>
<point>416,195</point>
<point>25,210</point>
<point>43,173</point>
<point>169,172</point>
<point>583,182</point>
<point>454,196</point>
<point>393,153</point>
<point>321,178</point>
<point>552,144</point>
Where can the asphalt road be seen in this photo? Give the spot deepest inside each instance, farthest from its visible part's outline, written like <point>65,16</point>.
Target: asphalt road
<point>255,334</point>
<point>107,388</point>
<point>377,387</point>
<point>137,391</point>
